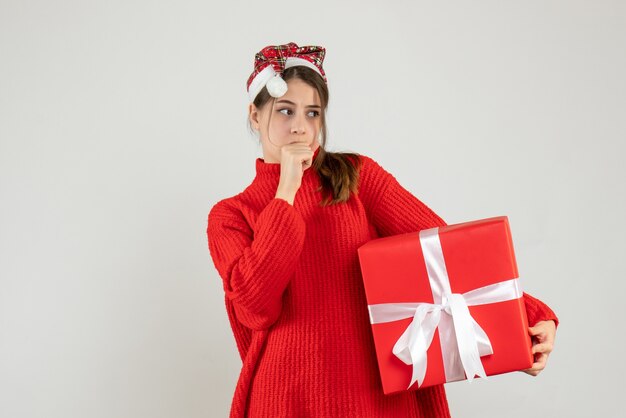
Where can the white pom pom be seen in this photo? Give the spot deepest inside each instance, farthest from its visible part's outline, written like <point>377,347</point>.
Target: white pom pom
<point>276,86</point>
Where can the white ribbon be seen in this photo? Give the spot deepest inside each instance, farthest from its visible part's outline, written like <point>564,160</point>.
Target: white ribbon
<point>462,340</point>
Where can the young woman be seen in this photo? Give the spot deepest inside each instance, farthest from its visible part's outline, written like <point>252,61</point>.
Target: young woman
<point>286,249</point>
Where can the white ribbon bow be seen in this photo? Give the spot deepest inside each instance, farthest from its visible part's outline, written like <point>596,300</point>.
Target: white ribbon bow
<point>462,340</point>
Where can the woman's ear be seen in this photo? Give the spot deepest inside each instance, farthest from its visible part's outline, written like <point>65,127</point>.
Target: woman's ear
<point>253,114</point>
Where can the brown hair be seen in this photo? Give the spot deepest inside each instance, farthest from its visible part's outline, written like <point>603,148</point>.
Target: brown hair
<point>338,171</point>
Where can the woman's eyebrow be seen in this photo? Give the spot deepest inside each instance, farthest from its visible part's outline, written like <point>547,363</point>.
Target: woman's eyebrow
<point>292,103</point>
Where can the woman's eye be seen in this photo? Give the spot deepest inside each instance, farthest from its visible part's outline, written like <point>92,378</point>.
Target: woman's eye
<point>313,113</point>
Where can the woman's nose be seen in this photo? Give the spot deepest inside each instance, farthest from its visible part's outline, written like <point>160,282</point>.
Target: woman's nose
<point>298,126</point>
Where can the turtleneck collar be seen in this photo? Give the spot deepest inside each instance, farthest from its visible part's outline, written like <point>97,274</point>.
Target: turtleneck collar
<point>271,171</point>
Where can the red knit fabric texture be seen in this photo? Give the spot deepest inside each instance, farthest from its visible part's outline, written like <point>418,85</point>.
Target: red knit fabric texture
<point>295,298</point>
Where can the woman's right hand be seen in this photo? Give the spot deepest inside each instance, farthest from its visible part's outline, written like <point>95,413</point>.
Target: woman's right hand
<point>294,159</point>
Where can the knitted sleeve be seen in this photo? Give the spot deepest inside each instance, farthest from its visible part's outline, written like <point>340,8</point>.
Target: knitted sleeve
<point>394,210</point>
<point>538,311</point>
<point>256,264</point>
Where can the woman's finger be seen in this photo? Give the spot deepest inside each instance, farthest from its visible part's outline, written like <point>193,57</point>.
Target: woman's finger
<point>537,332</point>
<point>543,330</point>
<point>542,348</point>
<point>538,365</point>
<point>540,362</point>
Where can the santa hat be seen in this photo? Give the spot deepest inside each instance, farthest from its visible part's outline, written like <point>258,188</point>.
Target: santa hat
<point>271,61</point>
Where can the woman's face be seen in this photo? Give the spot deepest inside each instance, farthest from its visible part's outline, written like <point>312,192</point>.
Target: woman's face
<point>296,117</point>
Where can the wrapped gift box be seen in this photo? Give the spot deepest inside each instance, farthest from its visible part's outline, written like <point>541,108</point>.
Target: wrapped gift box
<point>445,304</point>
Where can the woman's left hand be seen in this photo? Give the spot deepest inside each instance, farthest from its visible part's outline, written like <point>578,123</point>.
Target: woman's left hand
<point>542,334</point>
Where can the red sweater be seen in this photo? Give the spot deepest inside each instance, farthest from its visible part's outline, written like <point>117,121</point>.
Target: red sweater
<point>295,298</point>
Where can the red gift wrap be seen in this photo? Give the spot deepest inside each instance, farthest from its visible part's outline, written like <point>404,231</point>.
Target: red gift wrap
<point>445,304</point>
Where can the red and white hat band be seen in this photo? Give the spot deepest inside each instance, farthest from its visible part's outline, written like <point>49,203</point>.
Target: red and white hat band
<point>268,73</point>
<point>271,61</point>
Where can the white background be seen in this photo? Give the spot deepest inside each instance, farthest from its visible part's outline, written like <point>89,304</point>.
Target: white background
<point>123,122</point>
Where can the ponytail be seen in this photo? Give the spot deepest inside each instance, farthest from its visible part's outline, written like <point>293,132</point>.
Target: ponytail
<point>339,175</point>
